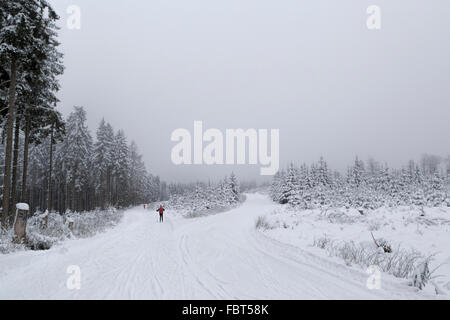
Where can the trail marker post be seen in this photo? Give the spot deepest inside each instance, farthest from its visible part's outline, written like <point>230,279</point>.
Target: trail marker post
<point>20,223</point>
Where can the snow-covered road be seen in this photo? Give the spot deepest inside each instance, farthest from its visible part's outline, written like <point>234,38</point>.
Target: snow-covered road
<point>216,257</point>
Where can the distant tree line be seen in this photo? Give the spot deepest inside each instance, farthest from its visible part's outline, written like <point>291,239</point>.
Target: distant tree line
<point>197,197</point>
<point>365,185</point>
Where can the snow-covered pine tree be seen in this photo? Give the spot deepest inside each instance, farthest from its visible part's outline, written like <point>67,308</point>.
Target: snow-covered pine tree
<point>228,197</point>
<point>120,169</point>
<point>103,162</point>
<point>275,187</point>
<point>323,175</point>
<point>38,168</point>
<point>73,161</point>
<point>137,176</point>
<point>290,188</point>
<point>36,94</point>
<point>356,176</point>
<point>27,37</point>
<point>200,199</point>
<point>435,192</point>
<point>305,191</point>
<point>357,185</point>
<point>235,189</point>
<point>322,183</point>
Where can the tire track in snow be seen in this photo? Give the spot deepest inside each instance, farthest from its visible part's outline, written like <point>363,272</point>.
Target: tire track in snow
<point>192,268</point>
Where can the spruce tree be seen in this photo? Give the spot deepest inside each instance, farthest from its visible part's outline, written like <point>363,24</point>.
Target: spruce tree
<point>27,30</point>
<point>234,186</point>
<point>74,160</point>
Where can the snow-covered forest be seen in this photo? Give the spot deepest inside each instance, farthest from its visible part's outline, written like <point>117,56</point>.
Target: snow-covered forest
<point>89,173</point>
<point>198,198</point>
<point>52,163</point>
<point>394,219</point>
<point>368,185</point>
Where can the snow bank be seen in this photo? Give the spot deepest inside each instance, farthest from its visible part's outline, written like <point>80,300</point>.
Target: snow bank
<point>47,229</point>
<point>416,235</point>
<point>6,242</point>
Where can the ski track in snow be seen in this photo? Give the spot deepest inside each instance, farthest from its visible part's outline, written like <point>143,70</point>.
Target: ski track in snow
<point>215,257</point>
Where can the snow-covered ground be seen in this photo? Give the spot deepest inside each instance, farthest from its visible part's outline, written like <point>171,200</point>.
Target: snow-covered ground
<point>408,229</point>
<point>216,257</point>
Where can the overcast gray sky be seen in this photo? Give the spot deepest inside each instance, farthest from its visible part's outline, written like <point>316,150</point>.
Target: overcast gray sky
<point>309,68</point>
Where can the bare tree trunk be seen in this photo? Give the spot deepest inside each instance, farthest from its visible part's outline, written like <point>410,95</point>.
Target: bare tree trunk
<point>102,192</point>
<point>9,141</point>
<point>74,208</point>
<point>23,197</point>
<point>49,193</point>
<point>108,188</point>
<point>33,191</point>
<point>14,172</point>
<point>67,196</point>
<point>58,198</point>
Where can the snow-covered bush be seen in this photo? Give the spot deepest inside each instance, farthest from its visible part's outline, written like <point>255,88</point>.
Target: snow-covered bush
<point>87,224</point>
<point>44,230</point>
<point>263,224</point>
<point>382,244</point>
<point>340,217</point>
<point>400,263</point>
<point>7,244</point>
<point>322,242</point>
<point>421,275</point>
<point>47,229</point>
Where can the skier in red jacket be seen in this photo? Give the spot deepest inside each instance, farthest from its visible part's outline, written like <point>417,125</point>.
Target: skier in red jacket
<point>161,213</point>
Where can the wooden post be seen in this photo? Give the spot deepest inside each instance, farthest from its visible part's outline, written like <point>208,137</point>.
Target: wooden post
<point>44,221</point>
<point>71,224</point>
<point>20,223</point>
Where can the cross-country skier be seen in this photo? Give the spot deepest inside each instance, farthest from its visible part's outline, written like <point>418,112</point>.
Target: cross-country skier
<point>161,213</point>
